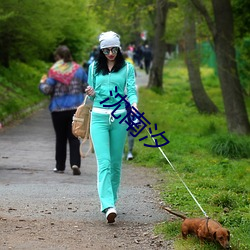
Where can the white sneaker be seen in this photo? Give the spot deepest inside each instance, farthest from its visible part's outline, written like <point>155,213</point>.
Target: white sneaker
<point>129,156</point>
<point>111,214</point>
<point>58,171</point>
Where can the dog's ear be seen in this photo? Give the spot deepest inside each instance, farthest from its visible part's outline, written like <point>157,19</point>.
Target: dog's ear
<point>214,235</point>
<point>228,237</point>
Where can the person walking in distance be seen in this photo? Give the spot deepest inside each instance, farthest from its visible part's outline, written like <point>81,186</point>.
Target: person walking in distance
<point>65,84</point>
<point>147,54</point>
<point>109,74</point>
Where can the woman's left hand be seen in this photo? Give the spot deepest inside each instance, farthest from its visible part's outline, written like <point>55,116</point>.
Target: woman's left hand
<point>43,79</point>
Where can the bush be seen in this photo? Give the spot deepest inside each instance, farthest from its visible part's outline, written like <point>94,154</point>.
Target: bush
<point>223,200</point>
<point>19,88</point>
<point>231,146</point>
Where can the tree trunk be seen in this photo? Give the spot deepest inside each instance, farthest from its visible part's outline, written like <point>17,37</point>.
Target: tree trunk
<point>159,47</point>
<point>201,99</point>
<point>235,109</point>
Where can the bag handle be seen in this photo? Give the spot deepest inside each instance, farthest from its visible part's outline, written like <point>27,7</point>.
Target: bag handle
<point>91,148</point>
<point>85,139</point>
<point>85,99</point>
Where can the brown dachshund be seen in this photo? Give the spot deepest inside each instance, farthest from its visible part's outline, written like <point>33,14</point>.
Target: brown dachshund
<point>204,229</point>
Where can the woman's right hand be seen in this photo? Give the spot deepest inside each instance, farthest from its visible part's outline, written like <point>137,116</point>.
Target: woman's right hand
<point>90,91</point>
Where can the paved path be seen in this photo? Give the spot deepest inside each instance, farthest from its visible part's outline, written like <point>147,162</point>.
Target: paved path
<point>26,163</point>
<point>141,78</point>
<point>31,191</point>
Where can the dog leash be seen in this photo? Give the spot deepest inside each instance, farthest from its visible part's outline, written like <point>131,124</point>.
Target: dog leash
<point>180,178</point>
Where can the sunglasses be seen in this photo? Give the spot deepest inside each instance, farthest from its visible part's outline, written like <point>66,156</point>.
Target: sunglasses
<point>106,51</point>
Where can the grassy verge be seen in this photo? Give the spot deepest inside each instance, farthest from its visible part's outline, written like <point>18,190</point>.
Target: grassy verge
<point>19,88</point>
<point>213,164</point>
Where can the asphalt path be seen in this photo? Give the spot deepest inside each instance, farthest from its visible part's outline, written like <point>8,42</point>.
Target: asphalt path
<point>26,177</point>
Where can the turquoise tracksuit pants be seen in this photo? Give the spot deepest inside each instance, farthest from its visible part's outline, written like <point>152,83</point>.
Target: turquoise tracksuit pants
<point>108,138</point>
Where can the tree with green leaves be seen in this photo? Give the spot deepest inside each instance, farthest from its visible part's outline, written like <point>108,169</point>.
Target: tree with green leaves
<point>28,33</point>
<point>128,18</point>
<point>242,34</point>
<point>221,27</point>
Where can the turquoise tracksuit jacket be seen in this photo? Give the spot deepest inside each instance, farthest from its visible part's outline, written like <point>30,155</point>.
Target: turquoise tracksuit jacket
<point>124,79</point>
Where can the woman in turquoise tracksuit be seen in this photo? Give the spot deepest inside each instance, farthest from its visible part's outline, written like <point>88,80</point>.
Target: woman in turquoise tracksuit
<point>108,77</point>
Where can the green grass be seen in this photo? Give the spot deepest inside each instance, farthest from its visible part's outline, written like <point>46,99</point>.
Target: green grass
<point>214,164</point>
<point>19,88</point>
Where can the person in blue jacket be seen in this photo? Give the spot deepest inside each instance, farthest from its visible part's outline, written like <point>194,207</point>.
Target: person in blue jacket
<point>108,77</point>
<point>65,83</point>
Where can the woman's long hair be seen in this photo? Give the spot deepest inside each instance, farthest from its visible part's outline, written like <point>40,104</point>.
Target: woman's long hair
<point>102,67</point>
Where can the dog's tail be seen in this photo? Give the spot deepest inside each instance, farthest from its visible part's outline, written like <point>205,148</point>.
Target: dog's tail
<point>175,213</point>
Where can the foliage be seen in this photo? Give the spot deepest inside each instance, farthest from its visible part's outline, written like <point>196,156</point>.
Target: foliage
<point>241,17</point>
<point>175,25</point>
<point>242,37</point>
<point>19,88</point>
<point>243,60</point>
<point>220,184</point>
<point>27,33</point>
<point>128,18</point>
<point>231,146</point>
